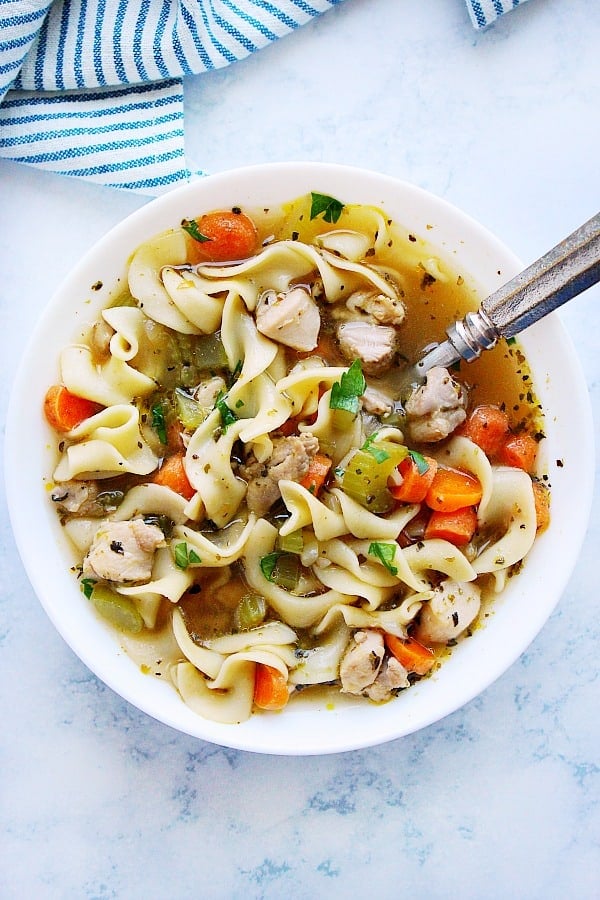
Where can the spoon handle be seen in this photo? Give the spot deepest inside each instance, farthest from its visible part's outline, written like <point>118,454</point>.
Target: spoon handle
<point>565,271</point>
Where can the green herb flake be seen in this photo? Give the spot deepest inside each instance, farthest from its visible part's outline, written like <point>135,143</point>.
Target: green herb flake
<point>510,341</point>
<point>346,392</point>
<point>87,586</point>
<point>268,563</point>
<point>386,554</point>
<point>328,207</point>
<point>419,461</point>
<point>191,226</point>
<point>185,556</point>
<point>158,422</point>
<point>376,452</point>
<point>228,417</point>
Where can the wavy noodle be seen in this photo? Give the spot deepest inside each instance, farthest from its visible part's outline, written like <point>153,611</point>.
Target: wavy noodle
<point>128,325</point>
<point>151,499</point>
<point>511,510</point>
<point>230,704</point>
<point>167,580</point>
<point>109,383</point>
<point>435,556</point>
<point>298,612</point>
<point>336,435</point>
<point>306,509</point>
<point>302,384</point>
<point>209,470</point>
<point>394,621</point>
<point>222,551</point>
<point>198,306</point>
<point>364,524</point>
<point>321,664</point>
<point>244,344</point>
<point>145,280</point>
<point>109,443</point>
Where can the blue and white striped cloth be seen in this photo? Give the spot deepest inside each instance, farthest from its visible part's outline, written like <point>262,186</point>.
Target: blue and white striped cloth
<point>93,88</point>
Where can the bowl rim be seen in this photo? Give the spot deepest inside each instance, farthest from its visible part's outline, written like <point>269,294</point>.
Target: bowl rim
<point>271,737</point>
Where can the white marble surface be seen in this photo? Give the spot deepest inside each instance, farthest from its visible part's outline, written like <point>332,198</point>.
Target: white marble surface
<point>499,800</point>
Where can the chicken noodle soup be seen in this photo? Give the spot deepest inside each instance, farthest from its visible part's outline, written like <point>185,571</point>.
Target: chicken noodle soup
<point>255,505</point>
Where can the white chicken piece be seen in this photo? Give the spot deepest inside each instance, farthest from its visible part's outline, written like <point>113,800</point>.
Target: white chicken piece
<point>449,612</point>
<point>361,663</point>
<point>374,345</point>
<point>391,678</point>
<point>291,317</point>
<point>289,461</point>
<point>380,308</point>
<point>436,408</point>
<point>123,552</point>
<point>207,391</point>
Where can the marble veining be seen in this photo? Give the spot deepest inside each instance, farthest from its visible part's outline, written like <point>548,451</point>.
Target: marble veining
<point>500,799</point>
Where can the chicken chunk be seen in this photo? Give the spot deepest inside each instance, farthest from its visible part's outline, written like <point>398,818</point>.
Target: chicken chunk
<point>123,551</point>
<point>207,391</point>
<point>77,498</point>
<point>391,678</point>
<point>291,317</point>
<point>436,408</point>
<point>289,462</point>
<point>449,612</point>
<point>374,345</point>
<point>379,307</point>
<point>377,402</point>
<point>362,661</point>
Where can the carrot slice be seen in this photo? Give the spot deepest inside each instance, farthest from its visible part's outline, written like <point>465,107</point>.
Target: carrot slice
<point>487,426</point>
<point>541,497</point>
<point>220,236</point>
<point>452,489</point>
<point>270,688</point>
<point>415,657</point>
<point>64,410</point>
<point>414,484</point>
<point>317,473</point>
<point>457,527</point>
<point>172,474</point>
<point>520,451</point>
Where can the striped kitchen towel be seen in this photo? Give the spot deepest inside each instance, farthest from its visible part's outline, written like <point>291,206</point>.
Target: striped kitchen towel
<point>93,88</point>
<point>484,12</point>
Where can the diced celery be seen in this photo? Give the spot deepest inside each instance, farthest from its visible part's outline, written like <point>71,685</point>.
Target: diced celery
<point>291,543</point>
<point>287,571</point>
<point>250,612</point>
<point>189,411</point>
<point>116,609</point>
<point>367,472</point>
<point>209,352</point>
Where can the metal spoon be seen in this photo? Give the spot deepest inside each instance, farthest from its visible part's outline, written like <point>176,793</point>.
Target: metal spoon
<point>565,271</point>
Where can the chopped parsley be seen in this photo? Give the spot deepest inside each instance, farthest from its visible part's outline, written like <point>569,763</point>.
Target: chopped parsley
<point>228,417</point>
<point>191,226</point>
<point>87,586</point>
<point>158,422</point>
<point>385,553</point>
<point>376,452</point>
<point>268,563</point>
<point>346,392</point>
<point>419,461</point>
<point>185,555</point>
<point>328,207</point>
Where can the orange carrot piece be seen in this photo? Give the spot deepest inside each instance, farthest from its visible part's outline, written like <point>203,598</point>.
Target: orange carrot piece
<point>541,496</point>
<point>457,527</point>
<point>64,410</point>
<point>270,688</point>
<point>452,489</point>
<point>520,451</point>
<point>172,474</point>
<point>230,235</point>
<point>414,485</point>
<point>317,473</point>
<point>487,426</point>
<point>415,657</point>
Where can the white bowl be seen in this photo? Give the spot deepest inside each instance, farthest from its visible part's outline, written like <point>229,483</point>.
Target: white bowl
<point>306,726</point>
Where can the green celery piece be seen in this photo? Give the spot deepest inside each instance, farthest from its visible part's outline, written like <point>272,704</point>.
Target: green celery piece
<point>120,611</point>
<point>365,478</point>
<point>189,411</point>
<point>250,612</point>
